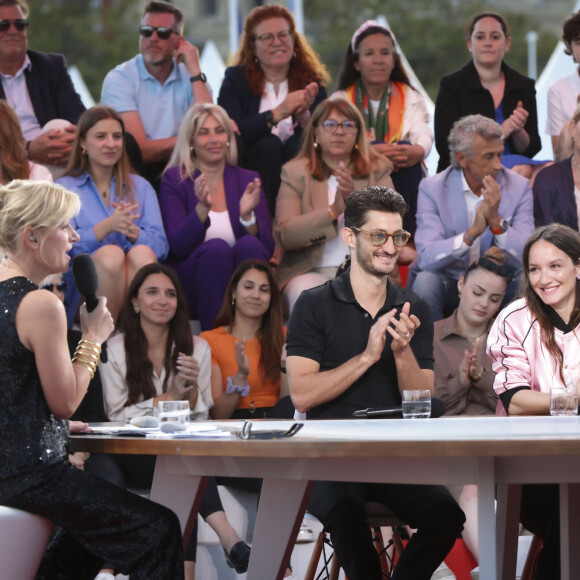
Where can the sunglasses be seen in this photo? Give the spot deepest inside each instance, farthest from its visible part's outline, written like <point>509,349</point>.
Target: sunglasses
<point>380,237</point>
<point>61,287</point>
<point>162,31</point>
<point>331,126</point>
<point>20,24</point>
<point>491,266</point>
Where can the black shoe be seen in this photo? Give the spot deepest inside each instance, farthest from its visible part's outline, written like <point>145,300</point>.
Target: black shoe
<point>239,557</point>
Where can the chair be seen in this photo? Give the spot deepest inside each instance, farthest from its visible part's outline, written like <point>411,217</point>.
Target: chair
<point>378,516</point>
<point>24,539</point>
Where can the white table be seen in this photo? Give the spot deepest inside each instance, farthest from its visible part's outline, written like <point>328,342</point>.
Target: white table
<point>487,451</point>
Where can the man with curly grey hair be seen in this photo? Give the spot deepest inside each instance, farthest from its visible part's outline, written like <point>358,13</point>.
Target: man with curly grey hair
<point>462,211</point>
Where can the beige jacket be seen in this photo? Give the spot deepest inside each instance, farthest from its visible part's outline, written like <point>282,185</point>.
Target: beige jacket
<point>303,222</point>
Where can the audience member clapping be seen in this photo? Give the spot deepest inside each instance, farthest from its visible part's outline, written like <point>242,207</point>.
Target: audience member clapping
<point>215,213</point>
<point>119,222</point>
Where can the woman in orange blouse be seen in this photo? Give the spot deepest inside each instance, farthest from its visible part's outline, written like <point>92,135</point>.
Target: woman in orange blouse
<point>247,345</point>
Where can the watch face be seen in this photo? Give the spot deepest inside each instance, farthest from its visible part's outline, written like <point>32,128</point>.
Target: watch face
<point>202,77</point>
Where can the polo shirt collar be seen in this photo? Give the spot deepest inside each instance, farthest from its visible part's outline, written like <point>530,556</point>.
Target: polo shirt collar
<point>144,74</point>
<point>342,289</point>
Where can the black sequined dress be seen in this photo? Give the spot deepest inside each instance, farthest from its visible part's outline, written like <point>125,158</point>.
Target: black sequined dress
<point>97,521</point>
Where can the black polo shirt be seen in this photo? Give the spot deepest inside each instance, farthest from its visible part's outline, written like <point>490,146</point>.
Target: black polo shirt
<point>329,326</point>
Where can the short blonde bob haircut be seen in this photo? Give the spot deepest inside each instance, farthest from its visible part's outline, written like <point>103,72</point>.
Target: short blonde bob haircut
<point>38,205</point>
<point>183,155</point>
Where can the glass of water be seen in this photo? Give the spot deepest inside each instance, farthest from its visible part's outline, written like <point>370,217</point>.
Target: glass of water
<point>417,404</point>
<point>175,411</point>
<point>563,401</point>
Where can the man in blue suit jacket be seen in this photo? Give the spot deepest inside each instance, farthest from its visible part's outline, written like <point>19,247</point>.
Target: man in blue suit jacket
<point>38,87</point>
<point>462,211</point>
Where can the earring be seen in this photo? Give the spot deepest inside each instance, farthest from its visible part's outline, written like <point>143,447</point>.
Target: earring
<point>256,60</point>
<point>458,294</point>
<point>33,239</point>
<point>228,144</point>
<point>356,146</point>
<point>316,145</point>
<point>294,55</point>
<point>233,302</point>
<point>136,309</point>
<point>84,152</point>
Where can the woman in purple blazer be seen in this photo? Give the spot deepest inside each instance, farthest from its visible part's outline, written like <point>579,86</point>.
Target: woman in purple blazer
<point>215,213</point>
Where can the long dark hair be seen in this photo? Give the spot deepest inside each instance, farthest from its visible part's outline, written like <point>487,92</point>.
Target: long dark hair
<point>567,240</point>
<point>270,335</point>
<point>349,74</point>
<point>139,377</point>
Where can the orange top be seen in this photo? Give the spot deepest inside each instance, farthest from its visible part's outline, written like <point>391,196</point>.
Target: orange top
<point>262,394</point>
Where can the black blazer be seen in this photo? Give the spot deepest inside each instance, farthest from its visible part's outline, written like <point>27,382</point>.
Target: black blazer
<point>461,93</point>
<point>51,89</point>
<point>242,105</point>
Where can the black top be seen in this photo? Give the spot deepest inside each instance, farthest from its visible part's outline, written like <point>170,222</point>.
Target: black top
<point>461,93</point>
<point>329,326</point>
<point>30,436</point>
<point>242,105</point>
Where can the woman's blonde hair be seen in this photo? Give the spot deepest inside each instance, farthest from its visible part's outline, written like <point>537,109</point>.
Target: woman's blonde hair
<point>38,205</point>
<point>183,155</point>
<point>362,155</point>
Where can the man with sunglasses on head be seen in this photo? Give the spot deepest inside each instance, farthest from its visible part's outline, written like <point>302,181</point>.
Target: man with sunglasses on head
<point>38,87</point>
<point>153,90</point>
<point>359,341</point>
<point>462,211</point>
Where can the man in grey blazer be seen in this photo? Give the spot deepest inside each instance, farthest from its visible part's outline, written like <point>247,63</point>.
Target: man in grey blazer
<point>38,87</point>
<point>462,211</point>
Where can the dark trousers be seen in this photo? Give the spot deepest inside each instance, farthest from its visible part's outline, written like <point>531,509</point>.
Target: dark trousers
<point>99,521</point>
<point>137,471</point>
<point>266,156</point>
<point>429,508</point>
<point>541,515</point>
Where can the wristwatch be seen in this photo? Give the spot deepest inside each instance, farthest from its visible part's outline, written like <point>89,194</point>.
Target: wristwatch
<point>269,116</point>
<point>502,227</point>
<point>250,222</point>
<point>200,77</point>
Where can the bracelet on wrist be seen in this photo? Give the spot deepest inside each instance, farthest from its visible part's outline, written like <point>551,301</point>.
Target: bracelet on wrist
<point>231,389</point>
<point>250,222</point>
<point>469,238</point>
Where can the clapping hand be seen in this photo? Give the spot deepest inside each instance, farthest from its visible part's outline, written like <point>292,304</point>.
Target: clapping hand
<point>516,121</point>
<point>471,366</point>
<point>185,380</point>
<point>122,220</point>
<point>250,199</point>
<point>242,359</point>
<point>202,191</point>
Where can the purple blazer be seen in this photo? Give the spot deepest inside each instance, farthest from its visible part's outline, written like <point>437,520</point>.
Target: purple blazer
<point>185,232</point>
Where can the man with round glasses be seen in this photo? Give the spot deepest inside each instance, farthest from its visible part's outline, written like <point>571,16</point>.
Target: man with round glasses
<point>38,87</point>
<point>355,342</point>
<point>462,211</point>
<point>153,90</point>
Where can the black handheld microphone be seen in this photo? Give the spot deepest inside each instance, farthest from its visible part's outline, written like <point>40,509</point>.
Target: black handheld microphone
<point>87,282</point>
<point>437,409</point>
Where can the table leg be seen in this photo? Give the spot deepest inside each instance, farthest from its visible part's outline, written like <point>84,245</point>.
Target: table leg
<point>180,492</point>
<point>509,501</point>
<point>569,530</point>
<point>280,513</point>
<point>486,519</point>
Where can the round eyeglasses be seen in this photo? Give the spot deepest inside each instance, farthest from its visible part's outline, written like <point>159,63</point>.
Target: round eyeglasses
<point>331,126</point>
<point>380,237</point>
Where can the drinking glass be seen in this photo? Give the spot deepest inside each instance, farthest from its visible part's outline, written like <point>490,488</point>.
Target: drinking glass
<point>563,401</point>
<point>175,411</point>
<point>417,404</point>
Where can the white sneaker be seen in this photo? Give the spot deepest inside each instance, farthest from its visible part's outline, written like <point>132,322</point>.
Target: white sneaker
<point>104,576</point>
<point>305,535</point>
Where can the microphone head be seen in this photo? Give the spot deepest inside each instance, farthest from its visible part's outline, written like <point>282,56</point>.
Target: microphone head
<point>437,407</point>
<point>85,274</point>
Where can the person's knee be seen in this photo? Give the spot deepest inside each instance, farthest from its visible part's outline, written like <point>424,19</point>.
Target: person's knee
<point>110,260</point>
<point>249,248</point>
<point>139,256</point>
<point>216,251</point>
<point>429,285</point>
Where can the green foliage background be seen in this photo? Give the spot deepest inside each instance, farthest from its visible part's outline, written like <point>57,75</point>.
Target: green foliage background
<point>96,35</point>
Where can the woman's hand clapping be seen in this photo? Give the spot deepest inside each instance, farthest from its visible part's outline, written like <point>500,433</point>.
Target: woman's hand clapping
<point>250,199</point>
<point>185,380</point>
